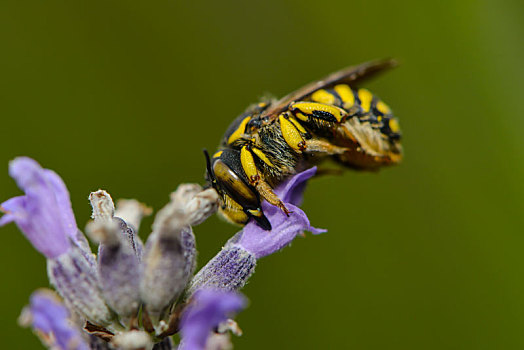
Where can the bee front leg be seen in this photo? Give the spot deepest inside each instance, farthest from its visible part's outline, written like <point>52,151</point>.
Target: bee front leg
<point>267,193</point>
<point>257,180</point>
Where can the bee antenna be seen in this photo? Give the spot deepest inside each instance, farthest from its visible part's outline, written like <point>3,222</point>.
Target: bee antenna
<point>208,165</point>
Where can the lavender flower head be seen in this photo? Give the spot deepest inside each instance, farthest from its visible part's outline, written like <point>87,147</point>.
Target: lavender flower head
<point>133,295</point>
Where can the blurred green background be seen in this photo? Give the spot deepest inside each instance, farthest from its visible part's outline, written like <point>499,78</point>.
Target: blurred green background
<point>124,95</point>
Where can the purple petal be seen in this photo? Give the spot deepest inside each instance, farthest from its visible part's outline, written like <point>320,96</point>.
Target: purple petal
<point>208,308</point>
<point>64,202</point>
<point>44,214</point>
<point>50,319</point>
<point>262,243</point>
<point>12,208</point>
<point>292,190</point>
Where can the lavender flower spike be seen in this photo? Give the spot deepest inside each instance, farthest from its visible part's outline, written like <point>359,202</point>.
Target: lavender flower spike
<point>49,318</point>
<point>44,214</point>
<point>235,263</point>
<point>207,310</point>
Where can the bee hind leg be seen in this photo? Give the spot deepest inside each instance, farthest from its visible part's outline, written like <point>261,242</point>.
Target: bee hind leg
<point>321,146</point>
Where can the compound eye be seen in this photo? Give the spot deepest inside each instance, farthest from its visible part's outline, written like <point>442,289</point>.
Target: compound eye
<point>234,185</point>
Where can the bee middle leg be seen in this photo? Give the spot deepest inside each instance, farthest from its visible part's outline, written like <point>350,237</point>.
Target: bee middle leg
<point>300,140</point>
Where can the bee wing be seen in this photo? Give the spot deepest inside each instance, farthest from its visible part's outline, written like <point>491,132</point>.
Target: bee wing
<point>351,76</point>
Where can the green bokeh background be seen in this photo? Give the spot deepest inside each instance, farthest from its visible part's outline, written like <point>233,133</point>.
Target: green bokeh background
<point>124,95</point>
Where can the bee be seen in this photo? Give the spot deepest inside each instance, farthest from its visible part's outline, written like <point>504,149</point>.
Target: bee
<point>275,139</point>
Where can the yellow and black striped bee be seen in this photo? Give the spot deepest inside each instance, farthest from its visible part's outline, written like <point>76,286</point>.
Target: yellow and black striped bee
<point>332,118</point>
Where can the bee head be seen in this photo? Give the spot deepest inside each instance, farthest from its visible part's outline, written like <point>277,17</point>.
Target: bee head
<point>240,201</point>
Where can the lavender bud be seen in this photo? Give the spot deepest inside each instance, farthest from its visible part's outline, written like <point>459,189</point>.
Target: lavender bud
<point>127,230</point>
<point>132,340</point>
<point>198,204</point>
<point>201,206</point>
<point>228,270</point>
<point>168,259</point>
<point>190,252</point>
<point>118,265</point>
<point>166,270</point>
<point>76,281</point>
<point>184,193</point>
<point>131,235</point>
<point>132,212</point>
<point>103,206</point>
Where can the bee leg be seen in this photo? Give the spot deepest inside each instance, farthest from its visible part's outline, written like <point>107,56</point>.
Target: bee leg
<point>317,145</point>
<point>295,136</point>
<point>267,193</point>
<point>293,132</point>
<point>257,180</point>
<point>307,111</point>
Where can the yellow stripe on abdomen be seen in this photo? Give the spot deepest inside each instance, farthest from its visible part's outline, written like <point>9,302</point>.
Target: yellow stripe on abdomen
<point>383,108</point>
<point>365,98</point>
<point>346,94</point>
<point>323,96</point>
